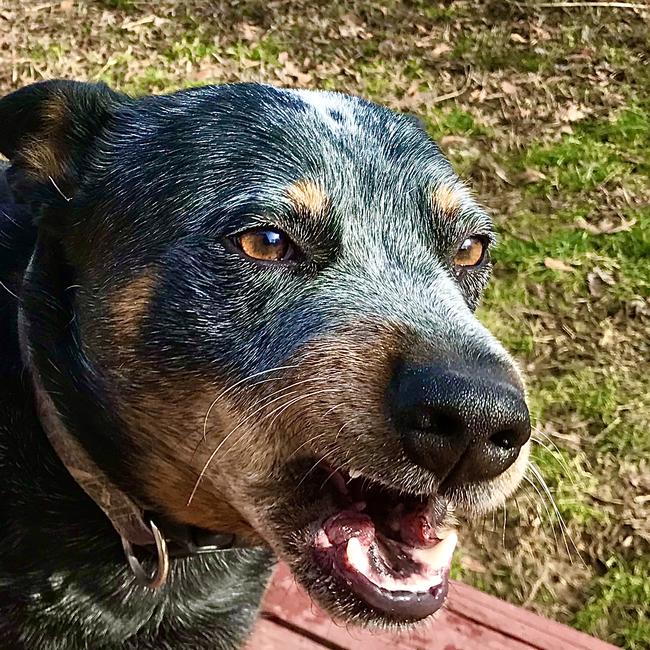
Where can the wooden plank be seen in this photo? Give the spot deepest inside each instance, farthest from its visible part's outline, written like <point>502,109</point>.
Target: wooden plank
<point>537,631</point>
<point>470,620</point>
<point>271,636</point>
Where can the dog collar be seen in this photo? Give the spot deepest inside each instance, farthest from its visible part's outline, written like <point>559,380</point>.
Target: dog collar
<point>132,523</point>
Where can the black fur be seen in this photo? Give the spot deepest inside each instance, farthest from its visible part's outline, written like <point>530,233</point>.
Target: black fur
<point>63,579</point>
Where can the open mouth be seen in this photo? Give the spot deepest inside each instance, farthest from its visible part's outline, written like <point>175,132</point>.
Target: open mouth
<point>388,548</point>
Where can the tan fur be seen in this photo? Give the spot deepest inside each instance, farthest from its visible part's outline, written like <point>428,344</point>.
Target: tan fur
<point>308,196</point>
<point>166,424</point>
<point>128,306</point>
<point>41,160</point>
<point>45,155</point>
<point>168,485</point>
<point>447,199</point>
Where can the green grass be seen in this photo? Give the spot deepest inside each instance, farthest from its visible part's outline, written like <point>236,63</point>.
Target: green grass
<point>454,121</point>
<point>265,51</point>
<point>152,80</point>
<point>609,401</point>
<point>438,13</point>
<point>569,482</point>
<point>624,254</point>
<point>124,5</point>
<point>623,593</point>
<point>192,49</point>
<point>596,153</point>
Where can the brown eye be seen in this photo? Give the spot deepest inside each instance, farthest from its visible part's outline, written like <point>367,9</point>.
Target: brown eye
<point>471,252</point>
<point>265,245</point>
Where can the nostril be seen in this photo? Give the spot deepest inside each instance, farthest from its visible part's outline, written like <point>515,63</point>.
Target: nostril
<point>505,439</point>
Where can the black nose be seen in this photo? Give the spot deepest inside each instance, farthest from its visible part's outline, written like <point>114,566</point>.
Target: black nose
<point>463,425</point>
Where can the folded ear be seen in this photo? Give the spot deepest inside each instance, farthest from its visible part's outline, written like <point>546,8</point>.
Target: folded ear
<point>47,128</point>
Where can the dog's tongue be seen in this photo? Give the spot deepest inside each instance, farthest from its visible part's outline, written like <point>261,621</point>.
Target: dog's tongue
<point>417,528</point>
<point>407,578</point>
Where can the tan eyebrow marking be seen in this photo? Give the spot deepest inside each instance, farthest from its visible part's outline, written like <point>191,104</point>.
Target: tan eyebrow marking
<point>307,195</point>
<point>447,199</point>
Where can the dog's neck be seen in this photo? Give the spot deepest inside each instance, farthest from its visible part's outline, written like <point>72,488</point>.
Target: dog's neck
<point>64,580</point>
<point>124,513</point>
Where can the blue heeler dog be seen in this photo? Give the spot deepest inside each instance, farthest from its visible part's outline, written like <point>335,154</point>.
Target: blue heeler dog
<point>237,324</point>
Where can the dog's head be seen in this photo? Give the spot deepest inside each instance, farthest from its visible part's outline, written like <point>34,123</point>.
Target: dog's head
<point>254,308</point>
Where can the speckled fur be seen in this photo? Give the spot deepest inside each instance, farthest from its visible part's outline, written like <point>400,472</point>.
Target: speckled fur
<point>221,375</point>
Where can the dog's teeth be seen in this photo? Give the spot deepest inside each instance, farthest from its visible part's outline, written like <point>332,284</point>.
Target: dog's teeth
<point>354,474</point>
<point>438,557</point>
<point>441,533</point>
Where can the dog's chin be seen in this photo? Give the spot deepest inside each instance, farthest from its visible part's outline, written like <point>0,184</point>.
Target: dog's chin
<point>371,554</point>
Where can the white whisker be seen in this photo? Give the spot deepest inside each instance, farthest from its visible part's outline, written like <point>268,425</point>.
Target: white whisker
<point>235,385</point>
<point>542,499</point>
<point>563,527</point>
<point>246,419</point>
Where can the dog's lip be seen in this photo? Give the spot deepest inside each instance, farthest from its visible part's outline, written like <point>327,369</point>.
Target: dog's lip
<point>400,571</point>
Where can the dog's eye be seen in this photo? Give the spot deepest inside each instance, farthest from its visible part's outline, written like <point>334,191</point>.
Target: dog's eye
<point>266,245</point>
<point>471,252</point>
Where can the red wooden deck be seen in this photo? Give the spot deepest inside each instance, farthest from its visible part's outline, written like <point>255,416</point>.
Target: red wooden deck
<point>471,620</point>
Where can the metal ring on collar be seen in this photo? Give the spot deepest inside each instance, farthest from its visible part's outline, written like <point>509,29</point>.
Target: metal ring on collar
<point>162,569</point>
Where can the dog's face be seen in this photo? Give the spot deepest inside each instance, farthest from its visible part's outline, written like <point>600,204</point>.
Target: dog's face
<point>273,292</point>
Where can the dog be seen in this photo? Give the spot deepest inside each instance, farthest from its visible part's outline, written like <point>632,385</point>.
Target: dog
<point>237,325</point>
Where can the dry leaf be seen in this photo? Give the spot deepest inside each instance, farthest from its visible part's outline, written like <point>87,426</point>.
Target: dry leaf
<point>531,176</point>
<point>250,33</point>
<point>517,38</point>
<point>541,33</point>
<point>608,338</point>
<point>596,281</point>
<point>595,285</point>
<point>639,307</point>
<point>66,5</point>
<point>501,173</point>
<point>508,88</point>
<point>557,265</point>
<point>574,113</point>
<point>469,563</point>
<point>605,226</point>
<point>440,49</point>
<point>353,27</point>
<point>290,69</point>
<point>451,140</point>
<point>605,276</point>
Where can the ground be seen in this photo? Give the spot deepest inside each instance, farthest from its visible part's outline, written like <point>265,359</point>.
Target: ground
<point>546,113</point>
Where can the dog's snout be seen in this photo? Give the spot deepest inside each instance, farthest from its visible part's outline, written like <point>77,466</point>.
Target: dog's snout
<point>463,425</point>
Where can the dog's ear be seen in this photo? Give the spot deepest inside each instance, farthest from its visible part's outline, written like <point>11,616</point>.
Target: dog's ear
<point>48,127</point>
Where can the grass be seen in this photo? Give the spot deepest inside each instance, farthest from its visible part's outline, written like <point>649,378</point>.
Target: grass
<point>621,592</point>
<point>549,122</point>
<point>596,153</point>
<point>441,122</point>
